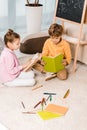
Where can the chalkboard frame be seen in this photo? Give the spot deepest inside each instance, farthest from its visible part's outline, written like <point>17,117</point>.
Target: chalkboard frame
<point>68,20</point>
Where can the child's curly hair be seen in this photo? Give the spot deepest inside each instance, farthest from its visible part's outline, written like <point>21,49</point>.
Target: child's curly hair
<point>55,30</point>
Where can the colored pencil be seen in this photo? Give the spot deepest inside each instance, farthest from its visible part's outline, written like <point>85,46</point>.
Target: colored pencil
<point>67,93</point>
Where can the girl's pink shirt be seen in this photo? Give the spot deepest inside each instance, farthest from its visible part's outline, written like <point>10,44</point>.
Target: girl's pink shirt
<point>9,66</point>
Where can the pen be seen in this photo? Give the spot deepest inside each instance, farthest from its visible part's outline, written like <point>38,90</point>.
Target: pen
<point>23,105</point>
<point>50,93</point>
<point>48,98</point>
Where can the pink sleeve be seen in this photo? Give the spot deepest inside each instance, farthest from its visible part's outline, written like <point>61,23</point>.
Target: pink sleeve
<point>12,65</point>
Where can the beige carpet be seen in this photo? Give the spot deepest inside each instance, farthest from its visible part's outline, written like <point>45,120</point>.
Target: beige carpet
<point>75,119</point>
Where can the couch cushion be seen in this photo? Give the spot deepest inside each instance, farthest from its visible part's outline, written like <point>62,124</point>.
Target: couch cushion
<point>33,45</point>
<point>73,30</point>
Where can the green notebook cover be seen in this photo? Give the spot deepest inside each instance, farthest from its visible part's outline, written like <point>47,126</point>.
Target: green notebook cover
<point>53,64</point>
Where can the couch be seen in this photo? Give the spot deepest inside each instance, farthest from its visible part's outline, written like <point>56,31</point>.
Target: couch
<point>71,34</point>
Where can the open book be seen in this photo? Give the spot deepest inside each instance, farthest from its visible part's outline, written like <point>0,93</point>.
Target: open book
<point>34,60</point>
<point>53,64</point>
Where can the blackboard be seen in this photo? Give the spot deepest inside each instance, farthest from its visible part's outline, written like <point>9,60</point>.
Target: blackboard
<point>70,10</point>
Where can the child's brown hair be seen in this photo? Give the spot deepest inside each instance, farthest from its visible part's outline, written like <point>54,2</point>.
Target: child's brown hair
<point>55,30</point>
<point>10,36</point>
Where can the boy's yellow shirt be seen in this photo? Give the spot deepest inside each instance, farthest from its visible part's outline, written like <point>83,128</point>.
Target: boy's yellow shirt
<point>51,49</point>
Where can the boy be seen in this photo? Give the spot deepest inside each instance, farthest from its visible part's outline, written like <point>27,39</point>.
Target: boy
<point>56,45</point>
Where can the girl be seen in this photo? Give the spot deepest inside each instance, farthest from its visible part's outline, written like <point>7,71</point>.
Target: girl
<point>11,72</point>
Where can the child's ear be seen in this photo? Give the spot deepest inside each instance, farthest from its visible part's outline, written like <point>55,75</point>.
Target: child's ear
<point>9,44</point>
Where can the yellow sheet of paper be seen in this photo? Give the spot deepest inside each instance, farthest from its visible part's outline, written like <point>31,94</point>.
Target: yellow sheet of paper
<point>47,115</point>
<point>56,109</point>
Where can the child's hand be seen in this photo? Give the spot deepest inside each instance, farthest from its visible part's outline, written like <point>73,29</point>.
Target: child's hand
<point>64,62</point>
<point>40,56</point>
<point>42,62</point>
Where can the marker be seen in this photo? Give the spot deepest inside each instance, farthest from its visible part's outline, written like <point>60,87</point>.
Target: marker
<point>50,97</point>
<point>50,93</point>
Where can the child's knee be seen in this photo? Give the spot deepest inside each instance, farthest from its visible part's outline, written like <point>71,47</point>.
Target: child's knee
<point>31,74</point>
<point>32,82</point>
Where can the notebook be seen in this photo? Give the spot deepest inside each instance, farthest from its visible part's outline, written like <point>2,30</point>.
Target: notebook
<point>53,64</point>
<point>45,115</point>
<point>56,109</point>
